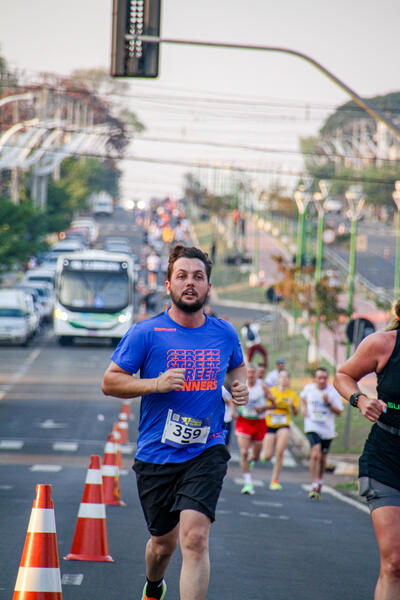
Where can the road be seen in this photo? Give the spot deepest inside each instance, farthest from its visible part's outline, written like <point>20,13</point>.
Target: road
<point>53,417</point>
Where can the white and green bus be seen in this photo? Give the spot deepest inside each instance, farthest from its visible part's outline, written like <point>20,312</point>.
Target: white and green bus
<point>94,296</point>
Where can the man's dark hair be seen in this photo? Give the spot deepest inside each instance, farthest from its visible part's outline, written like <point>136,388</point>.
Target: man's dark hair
<point>180,251</point>
<point>320,369</point>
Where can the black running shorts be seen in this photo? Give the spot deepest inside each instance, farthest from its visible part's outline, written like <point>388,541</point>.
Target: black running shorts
<point>315,439</point>
<point>165,490</point>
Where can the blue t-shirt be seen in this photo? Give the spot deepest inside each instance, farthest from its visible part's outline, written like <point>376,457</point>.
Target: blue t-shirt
<point>179,425</point>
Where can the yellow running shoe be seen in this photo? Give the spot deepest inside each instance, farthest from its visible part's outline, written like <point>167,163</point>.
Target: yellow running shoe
<point>275,485</point>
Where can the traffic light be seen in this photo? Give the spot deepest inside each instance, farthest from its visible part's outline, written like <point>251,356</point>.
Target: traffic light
<point>134,58</point>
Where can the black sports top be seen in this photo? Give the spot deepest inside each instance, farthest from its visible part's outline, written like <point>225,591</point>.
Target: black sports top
<point>381,456</point>
<point>388,387</point>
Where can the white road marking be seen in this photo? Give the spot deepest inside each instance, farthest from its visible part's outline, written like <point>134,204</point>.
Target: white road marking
<point>6,487</point>
<point>264,516</point>
<point>266,503</point>
<point>50,424</point>
<point>255,482</point>
<point>65,446</point>
<point>20,373</point>
<point>328,490</point>
<point>72,579</point>
<point>11,444</point>
<point>46,468</point>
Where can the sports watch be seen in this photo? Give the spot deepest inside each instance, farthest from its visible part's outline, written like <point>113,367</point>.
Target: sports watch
<point>354,398</point>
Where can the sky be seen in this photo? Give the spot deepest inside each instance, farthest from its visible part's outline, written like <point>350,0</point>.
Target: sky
<point>233,98</point>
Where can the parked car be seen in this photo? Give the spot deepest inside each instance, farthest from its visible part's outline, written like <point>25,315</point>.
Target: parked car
<point>65,246</point>
<point>17,317</point>
<point>90,225</point>
<point>44,275</point>
<point>28,289</point>
<point>46,296</point>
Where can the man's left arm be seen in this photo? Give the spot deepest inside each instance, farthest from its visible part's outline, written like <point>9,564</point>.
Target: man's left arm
<point>236,384</point>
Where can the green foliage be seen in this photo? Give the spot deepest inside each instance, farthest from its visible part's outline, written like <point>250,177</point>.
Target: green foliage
<point>21,232</point>
<point>346,113</point>
<point>80,178</point>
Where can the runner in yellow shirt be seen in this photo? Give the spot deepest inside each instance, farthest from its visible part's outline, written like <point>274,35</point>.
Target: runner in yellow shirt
<point>278,422</point>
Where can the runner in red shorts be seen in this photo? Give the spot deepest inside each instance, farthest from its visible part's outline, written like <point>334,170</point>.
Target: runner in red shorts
<point>250,426</point>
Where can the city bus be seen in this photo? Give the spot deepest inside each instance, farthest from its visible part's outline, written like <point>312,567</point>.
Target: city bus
<point>94,296</point>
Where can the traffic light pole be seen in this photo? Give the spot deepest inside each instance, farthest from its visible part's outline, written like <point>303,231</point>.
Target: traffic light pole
<point>365,104</point>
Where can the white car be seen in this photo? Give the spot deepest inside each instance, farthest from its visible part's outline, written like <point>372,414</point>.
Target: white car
<point>43,275</point>
<point>46,297</point>
<point>17,316</point>
<point>90,225</point>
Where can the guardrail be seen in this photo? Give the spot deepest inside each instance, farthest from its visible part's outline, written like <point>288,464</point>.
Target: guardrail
<point>379,292</point>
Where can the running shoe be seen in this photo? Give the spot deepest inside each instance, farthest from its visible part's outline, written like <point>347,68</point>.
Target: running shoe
<point>251,464</point>
<point>275,485</point>
<point>314,495</point>
<point>248,488</point>
<point>164,591</point>
<point>264,460</point>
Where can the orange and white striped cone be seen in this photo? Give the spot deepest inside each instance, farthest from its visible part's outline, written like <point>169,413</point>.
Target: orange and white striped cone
<point>117,441</point>
<point>90,539</point>
<point>110,475</point>
<point>39,575</point>
<point>126,408</point>
<point>123,427</point>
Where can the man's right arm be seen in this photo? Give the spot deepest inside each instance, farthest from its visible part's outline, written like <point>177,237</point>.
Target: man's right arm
<point>121,384</point>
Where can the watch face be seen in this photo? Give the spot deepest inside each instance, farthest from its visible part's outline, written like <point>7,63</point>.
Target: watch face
<point>354,399</point>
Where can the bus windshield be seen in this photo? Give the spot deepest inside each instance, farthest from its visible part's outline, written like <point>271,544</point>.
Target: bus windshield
<point>94,291</point>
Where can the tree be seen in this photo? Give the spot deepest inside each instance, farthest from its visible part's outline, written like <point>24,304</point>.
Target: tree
<point>21,232</point>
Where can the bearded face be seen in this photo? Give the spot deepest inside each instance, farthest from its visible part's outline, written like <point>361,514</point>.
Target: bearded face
<point>189,286</point>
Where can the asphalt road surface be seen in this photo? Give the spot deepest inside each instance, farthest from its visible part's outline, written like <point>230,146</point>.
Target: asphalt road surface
<point>278,545</point>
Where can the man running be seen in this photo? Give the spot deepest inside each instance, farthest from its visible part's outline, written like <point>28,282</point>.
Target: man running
<point>320,402</point>
<point>184,357</point>
<point>251,427</point>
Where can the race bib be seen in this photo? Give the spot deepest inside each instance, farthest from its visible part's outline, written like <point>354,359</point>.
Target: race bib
<point>278,420</point>
<point>317,414</point>
<point>183,430</point>
<point>248,412</point>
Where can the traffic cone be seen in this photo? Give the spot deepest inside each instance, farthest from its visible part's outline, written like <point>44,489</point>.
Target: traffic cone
<point>39,573</point>
<point>110,475</point>
<point>90,539</point>
<point>117,441</point>
<point>126,408</point>
<point>123,427</point>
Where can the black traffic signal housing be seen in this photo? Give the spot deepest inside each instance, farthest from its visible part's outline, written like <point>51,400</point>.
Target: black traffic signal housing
<point>134,58</point>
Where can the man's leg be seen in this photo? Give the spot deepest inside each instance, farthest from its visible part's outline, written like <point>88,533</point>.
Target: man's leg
<point>159,550</point>
<point>282,436</point>
<point>315,462</point>
<point>244,446</point>
<point>193,537</point>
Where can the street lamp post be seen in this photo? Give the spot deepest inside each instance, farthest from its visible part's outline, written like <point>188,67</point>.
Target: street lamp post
<point>355,203</point>
<point>302,199</point>
<point>319,199</point>
<point>396,198</point>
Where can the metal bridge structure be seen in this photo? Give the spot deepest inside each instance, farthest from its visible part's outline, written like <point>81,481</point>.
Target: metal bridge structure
<point>49,126</point>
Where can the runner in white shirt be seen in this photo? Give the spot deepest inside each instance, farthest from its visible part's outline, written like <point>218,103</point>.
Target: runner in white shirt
<point>320,402</point>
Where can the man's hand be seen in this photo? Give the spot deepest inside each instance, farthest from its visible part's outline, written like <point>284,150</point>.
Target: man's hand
<point>172,379</point>
<point>371,408</point>
<point>240,393</point>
